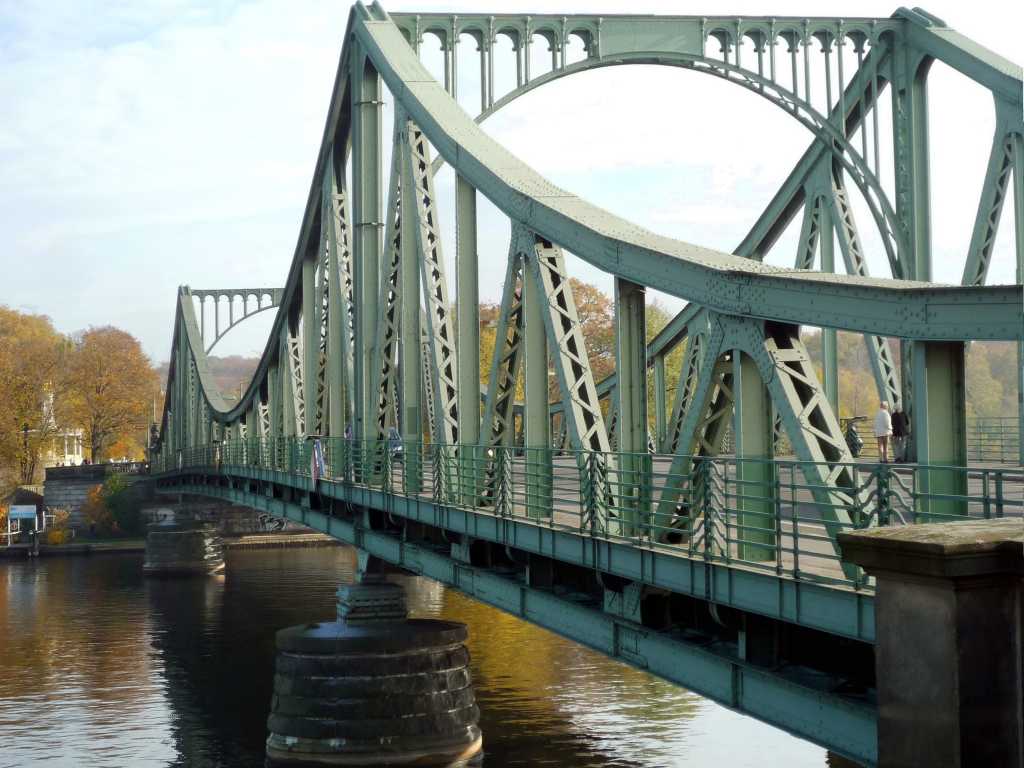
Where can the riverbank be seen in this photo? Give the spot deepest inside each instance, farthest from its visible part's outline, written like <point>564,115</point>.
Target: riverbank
<point>138,546</point>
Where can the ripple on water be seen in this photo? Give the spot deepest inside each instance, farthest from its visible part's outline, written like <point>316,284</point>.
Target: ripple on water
<point>101,667</point>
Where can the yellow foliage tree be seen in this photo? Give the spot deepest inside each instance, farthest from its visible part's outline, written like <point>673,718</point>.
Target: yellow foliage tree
<point>32,376</point>
<point>111,388</point>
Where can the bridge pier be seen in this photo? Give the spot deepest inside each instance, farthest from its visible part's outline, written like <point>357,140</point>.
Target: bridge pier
<point>373,687</point>
<point>948,658</point>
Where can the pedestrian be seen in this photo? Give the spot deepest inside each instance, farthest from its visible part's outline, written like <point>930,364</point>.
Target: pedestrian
<point>900,433</point>
<point>883,430</point>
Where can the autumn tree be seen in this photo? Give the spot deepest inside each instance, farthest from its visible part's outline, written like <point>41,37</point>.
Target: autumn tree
<point>111,390</point>
<point>32,361</point>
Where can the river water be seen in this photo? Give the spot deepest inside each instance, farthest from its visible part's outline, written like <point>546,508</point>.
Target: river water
<point>102,667</point>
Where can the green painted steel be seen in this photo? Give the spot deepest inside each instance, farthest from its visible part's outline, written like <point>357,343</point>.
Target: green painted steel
<point>365,339</point>
<point>839,723</point>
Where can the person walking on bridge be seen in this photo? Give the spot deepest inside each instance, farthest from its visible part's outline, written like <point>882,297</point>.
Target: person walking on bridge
<point>883,430</point>
<point>900,432</point>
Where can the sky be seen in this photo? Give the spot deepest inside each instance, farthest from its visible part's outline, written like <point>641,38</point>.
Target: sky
<point>149,144</point>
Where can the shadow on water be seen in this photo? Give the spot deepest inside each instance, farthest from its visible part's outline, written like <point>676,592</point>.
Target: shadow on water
<point>100,666</point>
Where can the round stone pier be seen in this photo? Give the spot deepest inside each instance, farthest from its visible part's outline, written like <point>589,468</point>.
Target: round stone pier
<point>365,691</point>
<point>183,549</point>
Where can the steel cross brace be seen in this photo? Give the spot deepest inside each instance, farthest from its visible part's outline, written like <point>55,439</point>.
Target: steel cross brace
<point>341,312</point>
<point>435,289</point>
<point>384,372</point>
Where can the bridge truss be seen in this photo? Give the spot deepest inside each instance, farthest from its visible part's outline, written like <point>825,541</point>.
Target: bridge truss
<point>367,337</point>
<point>370,335</point>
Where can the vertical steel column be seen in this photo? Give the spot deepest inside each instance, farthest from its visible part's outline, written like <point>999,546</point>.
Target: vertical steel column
<point>631,394</point>
<point>940,425</point>
<point>537,440</point>
<point>829,342</point>
<point>410,350</point>
<point>467,287</point>
<point>337,322</point>
<point>367,203</point>
<point>660,429</point>
<point>753,440</point>
<point>484,90</point>
<point>310,336</point>
<point>490,68</point>
<point>913,209</point>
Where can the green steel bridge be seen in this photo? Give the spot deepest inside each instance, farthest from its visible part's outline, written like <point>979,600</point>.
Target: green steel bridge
<point>715,567</point>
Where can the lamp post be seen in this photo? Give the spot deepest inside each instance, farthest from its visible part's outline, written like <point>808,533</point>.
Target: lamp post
<point>24,453</point>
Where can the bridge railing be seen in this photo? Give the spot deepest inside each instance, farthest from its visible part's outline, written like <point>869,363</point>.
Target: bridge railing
<point>775,515</point>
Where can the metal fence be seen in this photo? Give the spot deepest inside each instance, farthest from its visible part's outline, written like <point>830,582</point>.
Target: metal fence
<point>994,439</point>
<point>776,515</point>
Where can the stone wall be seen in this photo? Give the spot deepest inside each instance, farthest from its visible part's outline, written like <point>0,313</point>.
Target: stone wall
<point>68,487</point>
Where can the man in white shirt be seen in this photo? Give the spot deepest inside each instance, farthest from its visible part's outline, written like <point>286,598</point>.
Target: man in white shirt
<point>883,430</point>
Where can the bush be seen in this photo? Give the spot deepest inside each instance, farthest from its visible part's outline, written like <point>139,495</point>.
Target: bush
<point>57,536</point>
<point>96,513</point>
<point>109,509</point>
<point>123,507</point>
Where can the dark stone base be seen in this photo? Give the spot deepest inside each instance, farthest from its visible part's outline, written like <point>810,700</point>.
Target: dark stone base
<point>374,694</point>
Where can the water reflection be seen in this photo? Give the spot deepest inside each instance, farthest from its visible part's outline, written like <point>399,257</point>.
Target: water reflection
<point>99,666</point>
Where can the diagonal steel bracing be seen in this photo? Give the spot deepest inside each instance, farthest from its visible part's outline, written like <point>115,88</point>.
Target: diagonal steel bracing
<point>441,336</point>
<point>883,367</point>
<point>685,387</point>
<point>297,408</point>
<point>385,365</point>
<point>508,351</point>
<point>341,304</point>
<point>565,334</point>
<point>990,208</point>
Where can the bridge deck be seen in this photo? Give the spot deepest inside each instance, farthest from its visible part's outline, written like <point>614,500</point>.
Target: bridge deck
<point>772,520</point>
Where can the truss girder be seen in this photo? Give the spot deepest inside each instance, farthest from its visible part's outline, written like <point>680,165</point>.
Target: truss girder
<point>758,306</point>
<point>341,302</point>
<point>253,301</point>
<point>297,401</point>
<point>385,365</point>
<point>883,367</point>
<point>686,387</point>
<point>441,334</point>
<point>568,347</point>
<point>990,209</point>
<point>508,350</point>
<point>722,282</point>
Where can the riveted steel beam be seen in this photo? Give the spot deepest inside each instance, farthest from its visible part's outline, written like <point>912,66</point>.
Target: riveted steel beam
<point>537,426</point>
<point>998,175</point>
<point>366,98</point>
<point>631,394</point>
<point>939,423</point>
<point>467,286</point>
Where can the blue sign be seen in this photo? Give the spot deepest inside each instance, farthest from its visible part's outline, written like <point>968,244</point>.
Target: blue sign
<point>22,512</point>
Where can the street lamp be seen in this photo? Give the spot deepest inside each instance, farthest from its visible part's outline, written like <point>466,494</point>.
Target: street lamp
<point>24,453</point>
